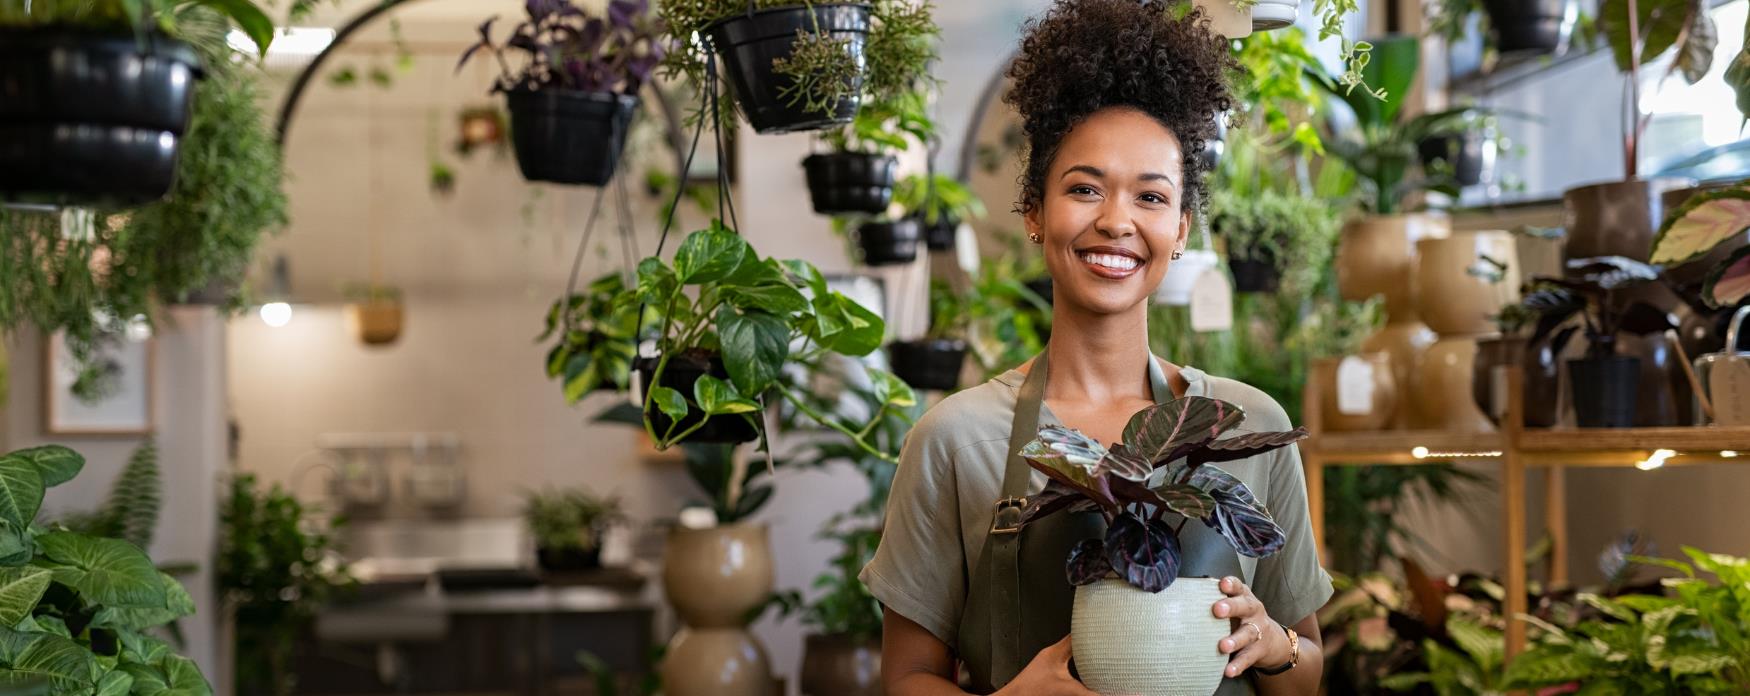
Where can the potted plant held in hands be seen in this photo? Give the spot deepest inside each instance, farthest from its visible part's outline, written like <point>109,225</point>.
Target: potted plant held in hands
<point>1148,488</point>
<point>572,96</point>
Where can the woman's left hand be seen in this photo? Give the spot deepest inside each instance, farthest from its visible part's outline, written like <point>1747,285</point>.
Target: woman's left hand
<point>1257,639</point>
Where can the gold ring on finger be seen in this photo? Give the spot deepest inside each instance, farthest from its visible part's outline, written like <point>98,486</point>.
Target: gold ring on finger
<point>1258,631</point>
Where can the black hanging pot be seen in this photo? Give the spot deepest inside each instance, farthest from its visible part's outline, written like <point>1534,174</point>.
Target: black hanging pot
<point>939,235</point>
<point>850,182</point>
<point>1465,155</point>
<point>1605,389</point>
<point>888,242</point>
<point>90,118</point>
<point>680,374</point>
<point>928,364</point>
<point>1532,26</point>
<point>1256,274</point>
<point>750,43</point>
<point>565,136</point>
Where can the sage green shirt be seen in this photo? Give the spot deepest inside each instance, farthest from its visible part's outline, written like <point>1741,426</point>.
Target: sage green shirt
<point>951,473</point>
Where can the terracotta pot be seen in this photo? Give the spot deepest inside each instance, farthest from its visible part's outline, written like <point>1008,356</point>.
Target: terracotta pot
<point>1450,297</point>
<point>841,666</point>
<point>1376,256</point>
<point>377,322</point>
<point>1404,341</point>
<point>1444,382</point>
<point>1106,624</point>
<point>1616,218</point>
<point>716,662</point>
<point>1372,405</point>
<point>713,577</point>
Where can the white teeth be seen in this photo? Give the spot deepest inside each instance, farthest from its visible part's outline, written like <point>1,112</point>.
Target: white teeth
<point>1112,261</point>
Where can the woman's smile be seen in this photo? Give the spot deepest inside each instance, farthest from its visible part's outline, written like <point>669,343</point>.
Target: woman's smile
<point>1110,262</point>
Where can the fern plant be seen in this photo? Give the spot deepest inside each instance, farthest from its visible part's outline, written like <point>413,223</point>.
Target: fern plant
<point>130,513</point>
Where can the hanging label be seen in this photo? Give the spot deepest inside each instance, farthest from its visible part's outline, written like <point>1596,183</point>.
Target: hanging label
<point>1728,384</point>
<point>1212,302</point>
<point>1354,387</point>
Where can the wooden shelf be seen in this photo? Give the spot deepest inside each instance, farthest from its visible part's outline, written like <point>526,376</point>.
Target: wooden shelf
<point>1700,439</point>
<point>1400,446</point>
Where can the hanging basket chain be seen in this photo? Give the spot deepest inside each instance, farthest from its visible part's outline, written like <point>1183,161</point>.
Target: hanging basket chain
<point>595,210</point>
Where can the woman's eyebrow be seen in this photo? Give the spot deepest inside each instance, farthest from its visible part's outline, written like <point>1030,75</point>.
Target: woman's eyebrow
<point>1085,169</point>
<point>1154,176</point>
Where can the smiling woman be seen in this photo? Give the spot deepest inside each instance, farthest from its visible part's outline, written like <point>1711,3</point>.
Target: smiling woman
<point>1117,99</point>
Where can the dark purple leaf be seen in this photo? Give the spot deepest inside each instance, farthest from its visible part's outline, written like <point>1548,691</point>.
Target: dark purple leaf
<point>1238,515</point>
<point>1087,562</point>
<point>1164,432</point>
<point>1642,319</point>
<point>1084,505</point>
<point>540,10</point>
<point>1055,497</point>
<point>1128,492</point>
<point>1244,446</point>
<point>1074,477</point>
<point>524,42</point>
<point>1144,553</point>
<point>1123,463</point>
<point>1186,500</point>
<point>486,29</point>
<point>1611,272</point>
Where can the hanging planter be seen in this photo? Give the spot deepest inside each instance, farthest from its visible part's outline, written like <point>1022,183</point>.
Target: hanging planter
<point>756,47</point>
<point>1530,26</point>
<point>572,97</point>
<point>1465,157</point>
<point>939,203</point>
<point>682,375</point>
<point>377,316</point>
<point>1256,274</point>
<point>888,242</point>
<point>842,183</point>
<point>569,137</point>
<point>89,118</point>
<point>929,363</point>
<point>1269,15</point>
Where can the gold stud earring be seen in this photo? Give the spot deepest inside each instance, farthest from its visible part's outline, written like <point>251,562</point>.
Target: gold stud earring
<point>1035,238</point>
<point>1178,254</point>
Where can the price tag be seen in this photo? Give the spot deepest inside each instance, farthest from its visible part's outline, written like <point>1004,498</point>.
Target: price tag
<point>1354,387</point>
<point>1728,384</point>
<point>1212,302</point>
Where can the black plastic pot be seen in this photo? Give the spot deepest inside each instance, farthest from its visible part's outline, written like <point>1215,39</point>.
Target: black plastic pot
<point>850,182</point>
<point>1605,390</point>
<point>750,43</point>
<point>1463,154</point>
<point>90,119</point>
<point>1533,26</point>
<point>889,242</point>
<point>928,364</point>
<point>569,137</point>
<point>939,235</point>
<point>570,560</point>
<point>679,375</point>
<point>1257,274</point>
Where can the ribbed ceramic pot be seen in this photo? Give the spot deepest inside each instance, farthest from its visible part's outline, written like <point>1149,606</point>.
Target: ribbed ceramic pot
<point>1368,401</point>
<point>1119,648</point>
<point>716,662</point>
<point>1377,256</point>
<point>1404,341</point>
<point>841,666</point>
<point>713,577</point>
<point>1445,379</point>
<point>1455,294</point>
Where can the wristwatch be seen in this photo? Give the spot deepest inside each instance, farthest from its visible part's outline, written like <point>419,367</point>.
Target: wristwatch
<point>1293,655</point>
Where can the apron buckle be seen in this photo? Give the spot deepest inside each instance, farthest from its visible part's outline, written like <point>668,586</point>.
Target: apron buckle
<point>1007,519</point>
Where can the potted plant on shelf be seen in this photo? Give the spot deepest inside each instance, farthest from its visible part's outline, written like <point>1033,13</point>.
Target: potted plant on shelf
<point>799,66</point>
<point>857,173</point>
<point>1534,27</point>
<point>727,322</point>
<point>597,338</point>
<point>936,360</point>
<point>1269,231</point>
<point>1605,385</point>
<point>939,203</point>
<point>841,653</point>
<point>100,95</point>
<point>1161,477</point>
<point>1706,225</point>
<point>572,96</point>
<point>567,526</point>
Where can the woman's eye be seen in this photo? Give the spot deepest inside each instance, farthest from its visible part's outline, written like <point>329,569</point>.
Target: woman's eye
<point>1154,198</point>
<point>1081,190</point>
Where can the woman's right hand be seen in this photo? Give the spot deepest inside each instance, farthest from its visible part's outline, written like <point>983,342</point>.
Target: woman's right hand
<point>1047,675</point>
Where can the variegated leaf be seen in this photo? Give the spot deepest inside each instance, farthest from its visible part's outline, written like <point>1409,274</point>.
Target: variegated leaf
<point>1704,222</point>
<point>1164,432</point>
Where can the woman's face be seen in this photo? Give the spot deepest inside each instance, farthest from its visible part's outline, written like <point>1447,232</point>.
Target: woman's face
<point>1111,214</point>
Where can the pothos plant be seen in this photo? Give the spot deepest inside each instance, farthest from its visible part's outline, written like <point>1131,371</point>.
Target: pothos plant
<point>1164,469</point>
<point>76,610</point>
<point>821,69</point>
<point>720,299</point>
<point>561,46</point>
<point>598,338</point>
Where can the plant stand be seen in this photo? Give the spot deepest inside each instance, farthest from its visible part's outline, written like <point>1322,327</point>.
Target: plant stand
<point>1517,449</point>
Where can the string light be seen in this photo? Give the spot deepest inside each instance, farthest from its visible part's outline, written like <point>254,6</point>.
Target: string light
<point>1655,460</point>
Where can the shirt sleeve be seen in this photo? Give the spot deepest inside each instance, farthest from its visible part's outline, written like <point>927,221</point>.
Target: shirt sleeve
<point>1292,584</point>
<point>919,569</point>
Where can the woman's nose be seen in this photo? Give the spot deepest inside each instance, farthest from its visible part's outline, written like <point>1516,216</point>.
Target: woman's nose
<point>1115,221</point>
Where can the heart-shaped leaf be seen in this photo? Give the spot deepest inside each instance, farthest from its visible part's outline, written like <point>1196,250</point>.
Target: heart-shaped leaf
<point>709,255</point>
<point>1705,221</point>
<point>1061,469</point>
<point>1729,283</point>
<point>67,666</point>
<point>172,676</point>
<point>670,402</point>
<point>776,299</point>
<point>20,590</point>
<point>1087,562</point>
<point>1056,441</point>
<point>581,377</point>
<point>1164,432</point>
<point>755,345</point>
<point>56,464</point>
<point>656,283</point>
<point>1243,446</point>
<point>1144,553</point>
<point>109,572</point>
<point>1238,515</point>
<point>719,398</point>
<point>21,491</point>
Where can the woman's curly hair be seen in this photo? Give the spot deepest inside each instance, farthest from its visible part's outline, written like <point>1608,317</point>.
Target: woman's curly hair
<point>1085,55</point>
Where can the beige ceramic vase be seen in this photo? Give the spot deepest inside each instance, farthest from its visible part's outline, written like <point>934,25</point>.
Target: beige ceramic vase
<point>1404,341</point>
<point>1116,654</point>
<point>1443,387</point>
<point>712,578</point>
<point>1464,279</point>
<point>1377,256</point>
<point>1356,393</point>
<point>841,666</point>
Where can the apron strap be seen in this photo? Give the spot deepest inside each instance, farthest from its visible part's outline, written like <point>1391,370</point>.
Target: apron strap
<point>1005,531</point>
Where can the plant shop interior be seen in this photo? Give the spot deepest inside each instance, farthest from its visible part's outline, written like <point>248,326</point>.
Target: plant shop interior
<point>569,346</point>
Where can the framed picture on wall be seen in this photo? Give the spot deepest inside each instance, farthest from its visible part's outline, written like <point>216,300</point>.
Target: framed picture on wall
<point>114,397</point>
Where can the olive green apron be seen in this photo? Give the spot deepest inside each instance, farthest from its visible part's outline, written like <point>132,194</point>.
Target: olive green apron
<point>1018,596</point>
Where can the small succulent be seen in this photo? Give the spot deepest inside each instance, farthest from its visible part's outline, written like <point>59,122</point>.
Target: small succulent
<point>1163,469</point>
<point>566,48</point>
